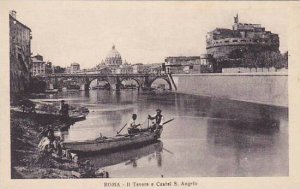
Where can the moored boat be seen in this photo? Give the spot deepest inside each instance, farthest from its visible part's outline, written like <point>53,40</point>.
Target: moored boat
<point>45,115</point>
<point>51,91</point>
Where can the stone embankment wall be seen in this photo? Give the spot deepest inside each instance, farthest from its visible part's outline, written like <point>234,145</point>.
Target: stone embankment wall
<point>262,88</point>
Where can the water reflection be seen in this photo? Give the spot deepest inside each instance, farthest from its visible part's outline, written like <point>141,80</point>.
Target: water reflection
<point>248,145</point>
<point>129,157</point>
<point>209,137</point>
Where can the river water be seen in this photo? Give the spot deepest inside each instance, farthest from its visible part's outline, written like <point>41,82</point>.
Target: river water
<point>209,137</point>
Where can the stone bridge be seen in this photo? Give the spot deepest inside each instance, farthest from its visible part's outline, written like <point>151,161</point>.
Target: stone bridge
<point>114,80</point>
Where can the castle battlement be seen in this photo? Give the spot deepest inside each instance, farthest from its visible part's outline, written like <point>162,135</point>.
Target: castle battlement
<point>243,36</point>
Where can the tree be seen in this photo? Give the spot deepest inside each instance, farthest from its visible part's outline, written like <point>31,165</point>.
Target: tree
<point>286,59</point>
<point>58,69</point>
<point>277,60</point>
<point>249,60</point>
<point>265,59</point>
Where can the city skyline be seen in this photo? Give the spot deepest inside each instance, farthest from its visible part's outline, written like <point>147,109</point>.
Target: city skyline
<point>142,33</point>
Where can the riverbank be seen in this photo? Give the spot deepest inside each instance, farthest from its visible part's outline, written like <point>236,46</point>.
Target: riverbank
<point>29,159</point>
<point>26,160</point>
<point>261,88</point>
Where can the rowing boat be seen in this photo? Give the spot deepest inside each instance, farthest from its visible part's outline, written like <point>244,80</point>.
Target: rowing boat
<point>123,156</point>
<point>105,144</point>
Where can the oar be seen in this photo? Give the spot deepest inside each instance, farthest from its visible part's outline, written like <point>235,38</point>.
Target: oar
<point>168,121</point>
<point>122,128</point>
<point>168,151</point>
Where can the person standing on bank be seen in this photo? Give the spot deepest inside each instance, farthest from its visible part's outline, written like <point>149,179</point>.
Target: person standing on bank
<point>159,120</point>
<point>133,127</point>
<point>61,107</point>
<point>64,109</point>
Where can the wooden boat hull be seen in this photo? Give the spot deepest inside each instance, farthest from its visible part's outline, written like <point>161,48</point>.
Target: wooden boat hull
<point>110,144</point>
<point>53,91</point>
<point>48,116</point>
<point>104,160</point>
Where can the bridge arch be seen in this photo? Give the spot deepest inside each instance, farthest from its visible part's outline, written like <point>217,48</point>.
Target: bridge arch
<point>139,83</point>
<point>163,78</point>
<point>99,79</point>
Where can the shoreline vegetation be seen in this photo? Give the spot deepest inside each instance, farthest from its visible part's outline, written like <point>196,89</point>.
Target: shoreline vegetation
<point>29,162</point>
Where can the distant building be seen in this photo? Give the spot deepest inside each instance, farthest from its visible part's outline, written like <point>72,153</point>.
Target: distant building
<point>99,70</point>
<point>103,70</point>
<point>124,69</point>
<point>140,68</point>
<point>68,70</point>
<point>113,59</point>
<point>75,67</point>
<point>20,52</point>
<point>155,68</point>
<point>207,64</point>
<point>181,64</point>
<point>228,46</point>
<point>38,65</point>
<point>49,69</point>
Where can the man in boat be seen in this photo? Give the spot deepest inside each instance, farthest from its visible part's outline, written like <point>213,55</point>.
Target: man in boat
<point>133,127</point>
<point>159,120</point>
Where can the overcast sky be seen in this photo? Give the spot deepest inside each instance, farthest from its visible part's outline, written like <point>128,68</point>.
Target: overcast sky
<point>70,31</point>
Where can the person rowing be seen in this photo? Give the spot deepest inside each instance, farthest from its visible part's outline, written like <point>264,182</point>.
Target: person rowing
<point>133,126</point>
<point>159,120</point>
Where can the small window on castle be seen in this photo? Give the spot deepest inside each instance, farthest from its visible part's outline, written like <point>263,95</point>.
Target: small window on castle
<point>226,41</point>
<point>235,40</point>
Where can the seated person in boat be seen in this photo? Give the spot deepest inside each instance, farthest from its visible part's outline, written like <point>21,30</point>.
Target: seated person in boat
<point>133,127</point>
<point>159,120</point>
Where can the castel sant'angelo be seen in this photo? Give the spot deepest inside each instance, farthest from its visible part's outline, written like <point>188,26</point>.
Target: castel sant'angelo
<point>225,44</point>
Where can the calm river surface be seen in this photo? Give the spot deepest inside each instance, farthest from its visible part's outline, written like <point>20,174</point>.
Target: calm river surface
<point>209,137</point>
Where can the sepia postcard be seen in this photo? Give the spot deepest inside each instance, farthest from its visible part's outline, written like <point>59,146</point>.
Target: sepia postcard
<point>150,94</point>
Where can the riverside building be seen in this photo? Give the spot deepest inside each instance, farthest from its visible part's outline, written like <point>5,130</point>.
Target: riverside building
<point>20,52</point>
<point>38,65</point>
<point>75,67</point>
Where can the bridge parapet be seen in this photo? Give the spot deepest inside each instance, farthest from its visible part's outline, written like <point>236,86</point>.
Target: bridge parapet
<point>98,74</point>
<point>114,80</point>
